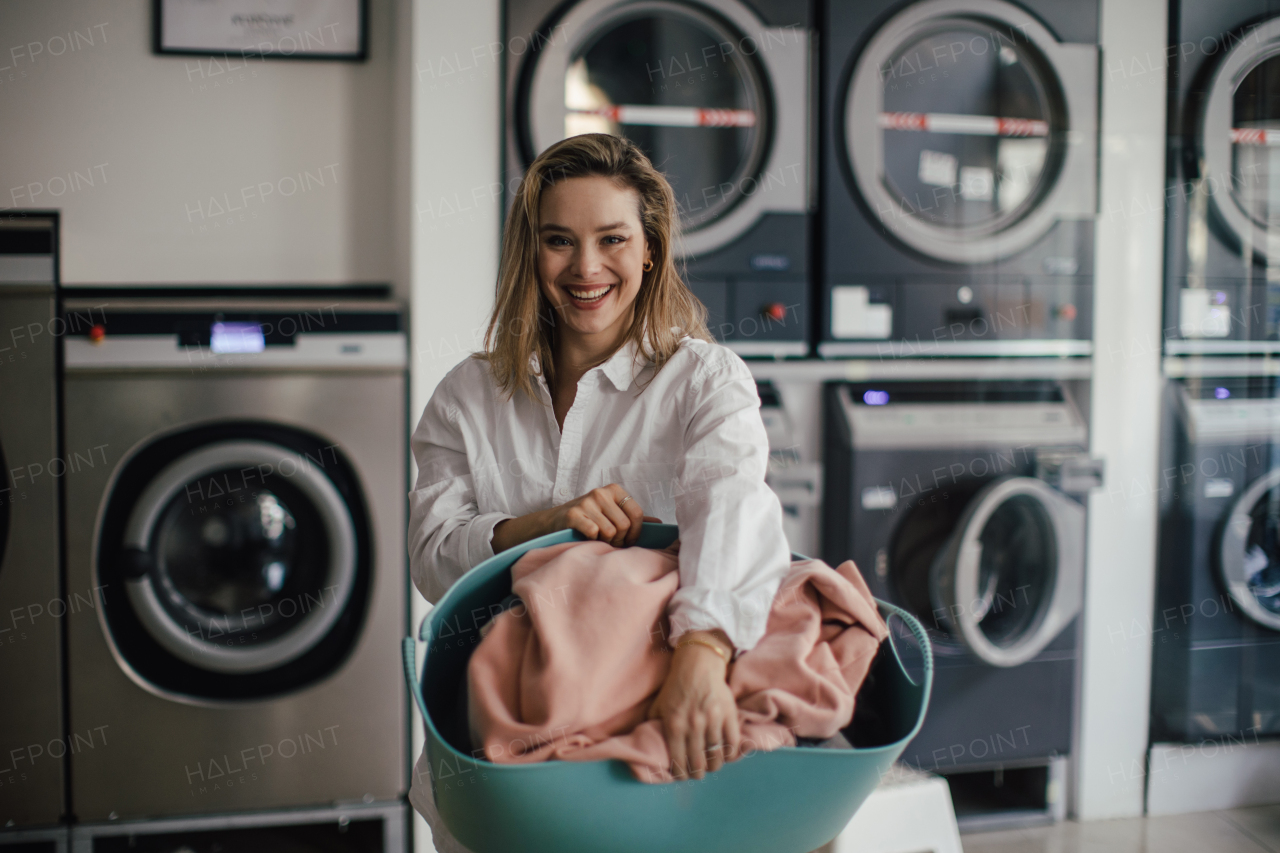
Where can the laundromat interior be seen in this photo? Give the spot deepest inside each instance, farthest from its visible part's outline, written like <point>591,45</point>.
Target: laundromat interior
<point>1003,273</point>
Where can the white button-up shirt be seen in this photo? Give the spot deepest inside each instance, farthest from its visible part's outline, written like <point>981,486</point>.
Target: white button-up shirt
<point>689,446</point>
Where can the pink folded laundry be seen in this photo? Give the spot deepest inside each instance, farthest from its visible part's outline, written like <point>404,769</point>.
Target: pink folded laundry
<point>570,671</point>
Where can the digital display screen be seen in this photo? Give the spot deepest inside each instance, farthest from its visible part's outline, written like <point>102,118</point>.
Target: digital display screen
<point>236,337</point>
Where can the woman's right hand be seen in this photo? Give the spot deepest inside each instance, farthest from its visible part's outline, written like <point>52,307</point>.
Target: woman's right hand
<point>604,514</point>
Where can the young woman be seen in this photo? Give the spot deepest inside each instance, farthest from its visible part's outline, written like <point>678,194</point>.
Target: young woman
<point>601,402</point>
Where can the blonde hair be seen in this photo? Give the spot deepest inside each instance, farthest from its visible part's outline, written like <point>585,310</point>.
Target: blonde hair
<point>523,322</point>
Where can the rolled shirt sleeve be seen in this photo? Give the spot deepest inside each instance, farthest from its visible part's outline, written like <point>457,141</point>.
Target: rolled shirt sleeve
<point>733,552</point>
<point>447,534</point>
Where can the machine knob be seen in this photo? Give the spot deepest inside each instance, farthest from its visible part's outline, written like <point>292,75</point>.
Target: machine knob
<point>1066,311</point>
<point>775,311</point>
<point>97,333</point>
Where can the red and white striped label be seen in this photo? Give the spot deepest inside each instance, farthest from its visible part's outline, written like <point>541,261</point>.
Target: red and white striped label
<point>672,116</point>
<point>969,125</point>
<point>1255,136</point>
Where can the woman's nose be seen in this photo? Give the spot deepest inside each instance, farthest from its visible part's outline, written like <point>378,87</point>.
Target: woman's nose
<point>587,261</point>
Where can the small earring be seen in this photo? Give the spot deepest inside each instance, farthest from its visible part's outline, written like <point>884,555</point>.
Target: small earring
<point>648,265</point>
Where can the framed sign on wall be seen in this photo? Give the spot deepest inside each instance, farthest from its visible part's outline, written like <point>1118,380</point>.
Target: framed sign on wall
<point>266,29</point>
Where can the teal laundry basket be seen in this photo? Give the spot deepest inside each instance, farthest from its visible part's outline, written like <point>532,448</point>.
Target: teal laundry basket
<point>790,800</point>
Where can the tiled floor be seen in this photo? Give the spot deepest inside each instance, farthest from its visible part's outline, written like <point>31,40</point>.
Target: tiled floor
<point>1255,830</point>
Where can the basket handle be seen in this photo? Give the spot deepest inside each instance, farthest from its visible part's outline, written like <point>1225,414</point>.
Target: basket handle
<point>922,638</point>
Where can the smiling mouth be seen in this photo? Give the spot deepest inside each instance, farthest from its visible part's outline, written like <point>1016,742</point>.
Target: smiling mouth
<point>589,295</point>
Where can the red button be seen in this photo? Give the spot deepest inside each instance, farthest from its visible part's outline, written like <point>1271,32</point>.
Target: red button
<point>97,333</point>
<point>775,311</point>
<point>1066,312</point>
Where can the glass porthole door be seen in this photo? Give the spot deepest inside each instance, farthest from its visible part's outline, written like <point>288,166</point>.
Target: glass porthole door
<point>1250,557</point>
<point>996,566</point>
<point>1240,140</point>
<point>704,134</point>
<point>238,566</point>
<point>241,552</point>
<point>969,129</point>
<point>693,84</point>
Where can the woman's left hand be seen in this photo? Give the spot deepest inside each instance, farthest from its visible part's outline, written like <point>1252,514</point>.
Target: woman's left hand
<point>695,704</point>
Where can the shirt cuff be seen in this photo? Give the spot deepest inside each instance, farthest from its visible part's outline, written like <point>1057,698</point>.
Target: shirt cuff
<point>480,536</point>
<point>743,618</point>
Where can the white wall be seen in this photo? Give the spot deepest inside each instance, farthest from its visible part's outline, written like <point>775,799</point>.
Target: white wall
<point>167,141</point>
<point>456,160</point>
<point>1120,586</point>
<point>454,216</point>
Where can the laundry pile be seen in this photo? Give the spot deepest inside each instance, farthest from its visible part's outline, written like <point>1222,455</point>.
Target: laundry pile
<point>570,670</point>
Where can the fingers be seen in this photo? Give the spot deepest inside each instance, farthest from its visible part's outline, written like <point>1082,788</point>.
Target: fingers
<point>732,736</point>
<point>617,516</point>
<point>630,506</point>
<point>676,745</point>
<point>589,522</point>
<point>609,514</point>
<point>696,751</point>
<point>715,743</point>
<point>592,517</point>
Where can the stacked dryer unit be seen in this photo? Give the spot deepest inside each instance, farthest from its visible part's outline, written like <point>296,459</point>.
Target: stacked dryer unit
<point>959,157</point>
<point>1216,665</point>
<point>958,203</point>
<point>960,501</point>
<point>1222,291</point>
<point>33,603</point>
<point>1216,624</point>
<point>717,93</point>
<point>243,516</point>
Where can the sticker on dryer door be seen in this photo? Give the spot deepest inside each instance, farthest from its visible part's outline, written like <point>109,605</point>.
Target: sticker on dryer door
<point>937,168</point>
<point>879,497</point>
<point>854,315</point>
<point>1203,313</point>
<point>1219,488</point>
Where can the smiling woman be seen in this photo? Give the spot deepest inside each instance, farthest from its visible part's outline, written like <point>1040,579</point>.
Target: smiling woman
<point>599,380</point>
<point>591,210</point>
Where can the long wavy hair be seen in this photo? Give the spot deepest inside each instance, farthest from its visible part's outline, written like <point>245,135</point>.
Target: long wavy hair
<point>523,322</point>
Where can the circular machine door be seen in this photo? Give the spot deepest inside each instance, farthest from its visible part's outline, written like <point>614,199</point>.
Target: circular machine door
<point>681,81</point>
<point>242,556</point>
<point>996,565</point>
<point>969,129</point>
<point>1240,139</point>
<point>1250,558</point>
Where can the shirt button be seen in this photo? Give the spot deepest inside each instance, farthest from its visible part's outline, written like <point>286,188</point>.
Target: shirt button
<point>563,492</point>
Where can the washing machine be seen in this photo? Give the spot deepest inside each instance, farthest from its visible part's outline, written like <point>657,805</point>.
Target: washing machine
<point>960,501</point>
<point>718,94</point>
<point>32,601</point>
<point>959,162</point>
<point>236,495</point>
<point>1222,293</point>
<point>1216,626</point>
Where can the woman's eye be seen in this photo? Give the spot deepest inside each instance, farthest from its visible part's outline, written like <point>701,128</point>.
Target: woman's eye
<point>614,239</point>
<point>557,241</point>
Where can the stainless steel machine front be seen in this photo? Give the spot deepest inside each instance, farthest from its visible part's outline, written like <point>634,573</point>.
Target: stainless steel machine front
<point>244,522</point>
<point>32,603</point>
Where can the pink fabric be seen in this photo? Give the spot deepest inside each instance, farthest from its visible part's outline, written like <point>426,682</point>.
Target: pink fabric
<point>571,673</point>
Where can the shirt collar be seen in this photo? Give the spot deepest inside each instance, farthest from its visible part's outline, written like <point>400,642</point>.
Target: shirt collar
<point>624,365</point>
<point>621,368</point>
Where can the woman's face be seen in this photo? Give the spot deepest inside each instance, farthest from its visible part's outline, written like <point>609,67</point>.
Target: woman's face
<point>591,251</point>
